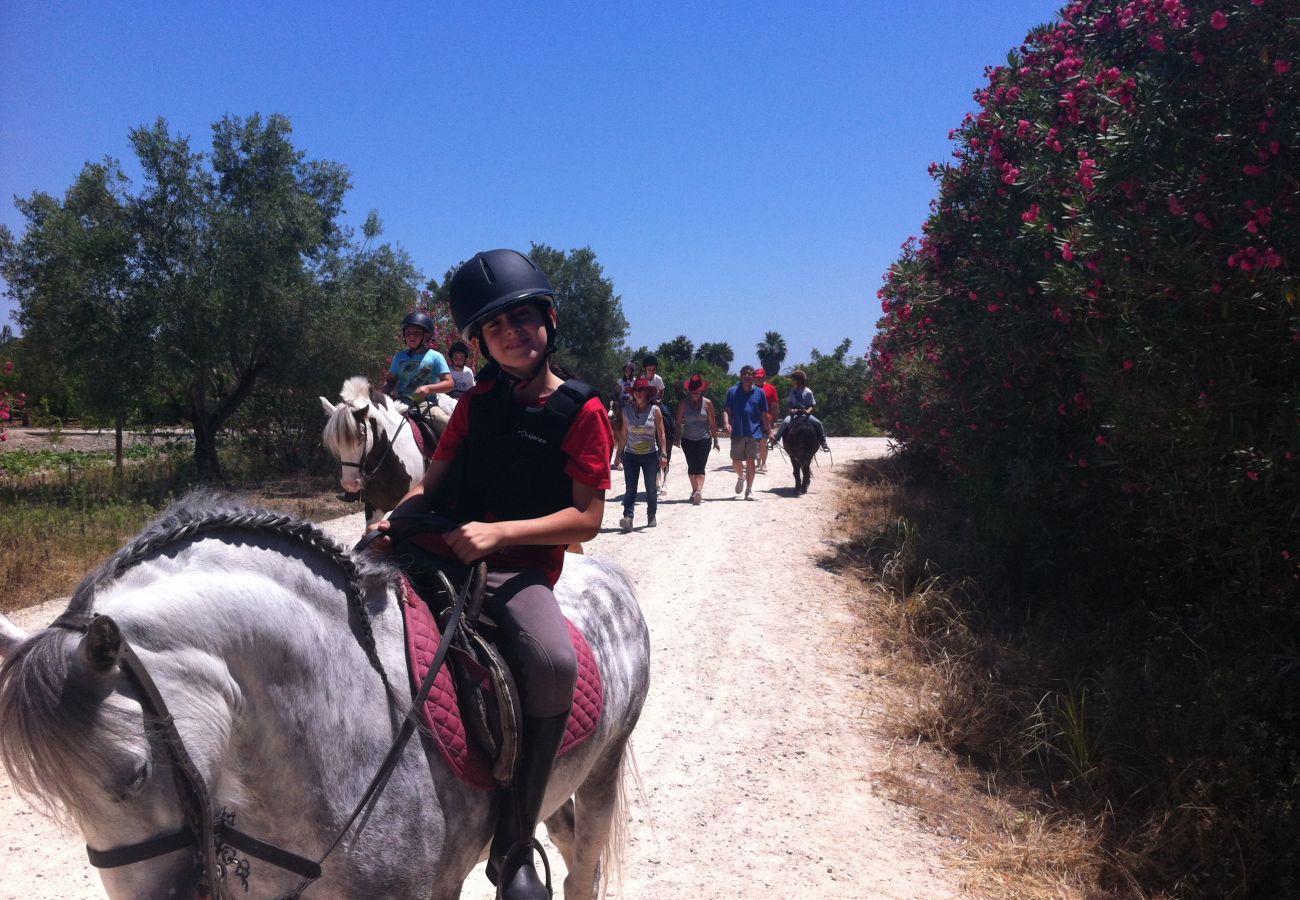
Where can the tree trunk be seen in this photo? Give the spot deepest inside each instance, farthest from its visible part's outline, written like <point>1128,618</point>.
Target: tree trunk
<point>205,450</point>
<point>119,424</point>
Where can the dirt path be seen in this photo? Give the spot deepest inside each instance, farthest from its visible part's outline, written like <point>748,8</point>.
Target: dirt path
<point>756,747</point>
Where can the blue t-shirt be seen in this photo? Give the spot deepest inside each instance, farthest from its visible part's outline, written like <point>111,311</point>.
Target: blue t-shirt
<point>417,369</point>
<point>746,411</point>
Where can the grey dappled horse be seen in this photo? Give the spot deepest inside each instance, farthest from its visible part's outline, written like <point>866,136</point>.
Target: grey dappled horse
<point>256,630</point>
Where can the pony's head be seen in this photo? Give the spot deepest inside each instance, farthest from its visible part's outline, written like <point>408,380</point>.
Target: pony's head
<point>353,427</point>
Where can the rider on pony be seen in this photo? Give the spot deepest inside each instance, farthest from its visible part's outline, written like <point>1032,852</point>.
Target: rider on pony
<point>417,374</point>
<point>801,403</point>
<point>462,375</point>
<point>524,464</point>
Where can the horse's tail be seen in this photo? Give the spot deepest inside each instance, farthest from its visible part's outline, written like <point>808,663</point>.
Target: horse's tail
<point>611,855</point>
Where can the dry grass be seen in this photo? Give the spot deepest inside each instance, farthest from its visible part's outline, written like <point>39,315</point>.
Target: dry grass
<point>961,713</point>
<point>53,533</point>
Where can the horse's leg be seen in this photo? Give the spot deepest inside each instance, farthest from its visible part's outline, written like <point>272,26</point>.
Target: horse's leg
<point>597,836</point>
<point>561,828</point>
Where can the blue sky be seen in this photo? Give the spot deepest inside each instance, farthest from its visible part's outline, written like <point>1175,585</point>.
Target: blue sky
<point>737,167</point>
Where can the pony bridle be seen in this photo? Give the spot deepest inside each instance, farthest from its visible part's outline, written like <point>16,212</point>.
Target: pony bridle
<point>383,446</point>
<point>214,839</point>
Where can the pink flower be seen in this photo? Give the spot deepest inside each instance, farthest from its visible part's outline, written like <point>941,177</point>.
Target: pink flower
<point>1157,42</point>
<point>1281,66</point>
<point>1175,205</point>
<point>1218,20</point>
<point>1253,476</point>
<point>1100,440</point>
<point>1253,170</point>
<point>1128,365</point>
<point>9,367</point>
<point>993,307</point>
<point>1066,253</point>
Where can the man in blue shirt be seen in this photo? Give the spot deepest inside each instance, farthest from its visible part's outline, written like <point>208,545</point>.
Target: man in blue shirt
<point>746,418</point>
<point>419,370</point>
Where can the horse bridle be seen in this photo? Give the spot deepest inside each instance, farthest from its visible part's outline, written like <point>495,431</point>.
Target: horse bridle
<point>215,840</point>
<point>381,440</point>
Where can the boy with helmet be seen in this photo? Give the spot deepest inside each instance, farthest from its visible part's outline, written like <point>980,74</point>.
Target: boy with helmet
<point>524,464</point>
<point>419,370</point>
<point>801,402</point>
<point>462,376</point>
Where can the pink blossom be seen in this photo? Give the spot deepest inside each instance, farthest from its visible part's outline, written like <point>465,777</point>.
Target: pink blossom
<point>1253,475</point>
<point>1066,253</point>
<point>1175,205</point>
<point>1128,365</point>
<point>1252,169</point>
<point>1157,42</point>
<point>993,307</point>
<point>1281,66</point>
<point>1218,20</point>
<point>1100,440</point>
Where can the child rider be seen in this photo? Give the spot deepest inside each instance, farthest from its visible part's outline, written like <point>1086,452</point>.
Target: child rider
<point>419,370</point>
<point>801,402</point>
<point>524,491</point>
<point>462,376</point>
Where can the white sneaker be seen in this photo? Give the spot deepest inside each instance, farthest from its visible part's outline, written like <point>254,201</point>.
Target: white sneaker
<point>625,523</point>
<point>748,495</point>
<point>740,483</point>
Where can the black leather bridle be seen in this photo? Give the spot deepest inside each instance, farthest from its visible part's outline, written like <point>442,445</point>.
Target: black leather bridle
<point>214,840</point>
<point>383,446</point>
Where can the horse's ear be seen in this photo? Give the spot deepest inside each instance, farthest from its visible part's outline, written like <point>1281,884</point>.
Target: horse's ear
<point>102,646</point>
<point>327,406</point>
<point>10,637</point>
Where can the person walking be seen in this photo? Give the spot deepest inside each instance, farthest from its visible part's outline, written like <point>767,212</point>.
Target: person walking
<point>773,406</point>
<point>641,448</point>
<point>746,418</point>
<point>697,427</point>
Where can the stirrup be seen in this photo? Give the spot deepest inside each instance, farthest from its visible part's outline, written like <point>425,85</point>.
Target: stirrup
<point>532,844</point>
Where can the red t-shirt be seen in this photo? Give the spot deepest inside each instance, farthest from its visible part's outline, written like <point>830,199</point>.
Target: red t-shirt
<point>773,400</point>
<point>588,446</point>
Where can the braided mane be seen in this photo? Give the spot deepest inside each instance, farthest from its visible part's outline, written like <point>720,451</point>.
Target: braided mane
<point>203,511</point>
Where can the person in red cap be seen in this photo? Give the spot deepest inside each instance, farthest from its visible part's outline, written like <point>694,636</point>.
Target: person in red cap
<point>697,426</point>
<point>773,404</point>
<point>642,449</point>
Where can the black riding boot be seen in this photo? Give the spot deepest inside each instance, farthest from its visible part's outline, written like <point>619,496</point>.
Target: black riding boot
<point>510,865</point>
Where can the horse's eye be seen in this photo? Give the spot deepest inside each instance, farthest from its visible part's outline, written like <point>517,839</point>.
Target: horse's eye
<point>136,782</point>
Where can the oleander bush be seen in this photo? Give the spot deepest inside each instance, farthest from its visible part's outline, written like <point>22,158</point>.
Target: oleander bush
<point>1096,342</point>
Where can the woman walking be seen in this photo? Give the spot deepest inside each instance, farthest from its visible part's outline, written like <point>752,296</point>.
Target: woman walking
<point>642,451</point>
<point>697,427</point>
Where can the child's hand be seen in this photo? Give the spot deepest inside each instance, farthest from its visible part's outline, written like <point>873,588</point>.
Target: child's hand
<point>474,540</point>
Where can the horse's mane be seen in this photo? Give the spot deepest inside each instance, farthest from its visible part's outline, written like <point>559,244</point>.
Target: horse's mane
<point>48,715</point>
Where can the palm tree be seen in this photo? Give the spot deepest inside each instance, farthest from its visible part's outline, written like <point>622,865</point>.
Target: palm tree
<point>771,352</point>
<point>716,353</point>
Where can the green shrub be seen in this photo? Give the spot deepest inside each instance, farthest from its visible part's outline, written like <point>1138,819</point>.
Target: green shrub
<point>1097,339</point>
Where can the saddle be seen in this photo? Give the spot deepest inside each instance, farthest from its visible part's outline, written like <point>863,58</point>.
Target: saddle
<point>427,424</point>
<point>487,699</point>
<point>473,712</point>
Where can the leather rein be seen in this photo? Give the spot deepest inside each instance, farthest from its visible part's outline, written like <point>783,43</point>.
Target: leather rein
<point>214,840</point>
<point>381,441</point>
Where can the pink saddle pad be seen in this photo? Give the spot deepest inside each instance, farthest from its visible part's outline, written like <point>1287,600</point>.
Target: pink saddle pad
<point>442,710</point>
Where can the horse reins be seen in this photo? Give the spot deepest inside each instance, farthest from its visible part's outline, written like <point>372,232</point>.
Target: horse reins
<point>215,839</point>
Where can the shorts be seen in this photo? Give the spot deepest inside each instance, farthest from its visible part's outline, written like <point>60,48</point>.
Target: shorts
<point>743,448</point>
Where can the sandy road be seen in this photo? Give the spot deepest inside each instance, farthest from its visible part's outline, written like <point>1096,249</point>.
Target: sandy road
<point>756,746</point>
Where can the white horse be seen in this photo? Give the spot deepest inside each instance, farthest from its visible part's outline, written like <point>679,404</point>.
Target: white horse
<point>281,660</point>
<point>371,437</point>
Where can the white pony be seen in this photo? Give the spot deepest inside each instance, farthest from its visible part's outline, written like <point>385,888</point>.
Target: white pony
<point>280,659</point>
<point>371,436</point>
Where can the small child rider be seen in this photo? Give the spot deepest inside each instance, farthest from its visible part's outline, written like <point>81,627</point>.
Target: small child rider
<point>524,489</point>
<point>419,370</point>
<point>801,401</point>
<point>462,376</point>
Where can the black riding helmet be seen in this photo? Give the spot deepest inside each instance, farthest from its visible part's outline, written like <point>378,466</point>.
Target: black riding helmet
<point>419,320</point>
<point>492,282</point>
<point>458,347</point>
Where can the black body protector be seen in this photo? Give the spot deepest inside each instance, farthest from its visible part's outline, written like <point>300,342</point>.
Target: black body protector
<point>511,465</point>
